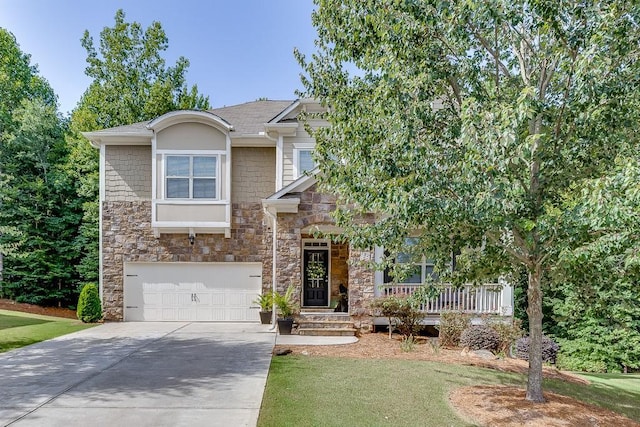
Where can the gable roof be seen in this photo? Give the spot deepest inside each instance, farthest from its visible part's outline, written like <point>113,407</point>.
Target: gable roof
<point>247,119</point>
<point>297,186</point>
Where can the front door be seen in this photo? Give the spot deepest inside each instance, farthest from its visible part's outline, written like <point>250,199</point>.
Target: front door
<point>316,277</point>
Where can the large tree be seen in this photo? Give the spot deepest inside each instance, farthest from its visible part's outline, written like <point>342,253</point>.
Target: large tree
<point>131,83</point>
<point>19,80</point>
<point>473,124</point>
<point>38,206</point>
<point>595,298</point>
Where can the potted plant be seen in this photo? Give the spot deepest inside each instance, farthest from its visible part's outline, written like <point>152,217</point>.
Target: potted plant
<point>286,309</point>
<point>265,301</point>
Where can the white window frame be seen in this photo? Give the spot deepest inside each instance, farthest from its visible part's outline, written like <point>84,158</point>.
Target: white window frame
<point>297,148</point>
<point>191,177</point>
<point>424,264</point>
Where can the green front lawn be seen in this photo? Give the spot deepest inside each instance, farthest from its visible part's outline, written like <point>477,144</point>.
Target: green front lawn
<point>325,391</point>
<point>20,329</point>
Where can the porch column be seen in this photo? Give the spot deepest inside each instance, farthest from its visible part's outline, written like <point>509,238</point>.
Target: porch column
<point>506,300</point>
<point>361,288</point>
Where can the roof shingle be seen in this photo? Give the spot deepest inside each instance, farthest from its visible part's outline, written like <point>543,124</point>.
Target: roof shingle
<point>247,119</point>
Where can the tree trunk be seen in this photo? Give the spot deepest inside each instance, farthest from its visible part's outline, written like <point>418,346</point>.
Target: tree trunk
<point>534,311</point>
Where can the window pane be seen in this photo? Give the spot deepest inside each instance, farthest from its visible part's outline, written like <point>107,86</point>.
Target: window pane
<point>429,272</point>
<point>403,258</point>
<point>204,188</point>
<point>177,188</point>
<point>177,166</point>
<point>414,276</point>
<point>305,161</point>
<point>204,166</point>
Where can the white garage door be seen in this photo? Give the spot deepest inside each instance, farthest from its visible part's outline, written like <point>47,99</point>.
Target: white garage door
<point>199,292</point>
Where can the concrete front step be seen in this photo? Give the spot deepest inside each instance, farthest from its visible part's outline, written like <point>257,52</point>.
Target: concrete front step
<point>325,324</point>
<point>330,324</point>
<point>308,316</point>
<point>317,310</point>
<point>327,332</point>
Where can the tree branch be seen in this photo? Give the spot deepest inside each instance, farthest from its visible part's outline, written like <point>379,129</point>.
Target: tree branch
<point>485,44</point>
<point>455,87</point>
<point>511,251</point>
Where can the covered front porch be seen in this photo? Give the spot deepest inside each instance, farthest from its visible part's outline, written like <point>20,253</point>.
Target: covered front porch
<point>334,282</point>
<point>488,299</point>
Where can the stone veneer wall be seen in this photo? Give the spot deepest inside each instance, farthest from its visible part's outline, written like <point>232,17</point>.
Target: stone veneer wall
<point>361,288</point>
<point>315,208</point>
<point>339,268</point>
<point>127,237</point>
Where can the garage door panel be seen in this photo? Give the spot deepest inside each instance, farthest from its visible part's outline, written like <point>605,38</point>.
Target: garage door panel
<point>192,291</point>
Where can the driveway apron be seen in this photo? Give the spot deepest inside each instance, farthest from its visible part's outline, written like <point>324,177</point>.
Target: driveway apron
<point>139,374</point>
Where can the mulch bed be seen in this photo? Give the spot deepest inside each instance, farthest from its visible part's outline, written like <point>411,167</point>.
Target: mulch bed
<point>505,406</point>
<point>6,304</point>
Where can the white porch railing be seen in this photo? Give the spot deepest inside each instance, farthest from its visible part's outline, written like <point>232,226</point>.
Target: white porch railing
<point>490,298</point>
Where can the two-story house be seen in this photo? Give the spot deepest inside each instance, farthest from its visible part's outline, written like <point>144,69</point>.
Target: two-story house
<point>200,211</point>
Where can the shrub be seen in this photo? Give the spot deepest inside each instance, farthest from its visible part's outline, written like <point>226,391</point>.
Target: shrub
<point>549,349</point>
<point>508,332</point>
<point>89,307</point>
<point>402,311</point>
<point>480,337</point>
<point>408,344</point>
<point>607,352</point>
<point>452,323</point>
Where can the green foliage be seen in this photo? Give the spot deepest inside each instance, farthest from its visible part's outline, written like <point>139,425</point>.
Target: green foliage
<point>475,124</point>
<point>40,213</point>
<point>508,333</point>
<point>89,306</point>
<point>285,302</point>
<point>408,343</point>
<point>131,83</point>
<point>19,80</point>
<point>452,323</point>
<point>480,337</point>
<point>265,301</point>
<point>595,300</point>
<point>402,311</point>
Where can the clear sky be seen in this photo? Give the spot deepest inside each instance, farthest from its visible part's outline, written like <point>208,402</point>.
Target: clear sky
<point>239,50</point>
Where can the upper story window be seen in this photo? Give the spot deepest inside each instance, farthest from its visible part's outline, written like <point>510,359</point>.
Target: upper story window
<point>191,177</point>
<point>303,159</point>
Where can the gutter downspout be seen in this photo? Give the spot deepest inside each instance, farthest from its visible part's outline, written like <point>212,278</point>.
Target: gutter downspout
<point>274,231</point>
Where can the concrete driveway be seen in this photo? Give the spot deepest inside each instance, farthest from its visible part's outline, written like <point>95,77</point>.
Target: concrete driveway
<point>139,374</point>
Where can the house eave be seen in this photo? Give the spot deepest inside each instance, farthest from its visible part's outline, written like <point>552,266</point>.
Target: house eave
<point>284,129</point>
<point>276,206</point>
<point>299,185</point>
<point>142,137</point>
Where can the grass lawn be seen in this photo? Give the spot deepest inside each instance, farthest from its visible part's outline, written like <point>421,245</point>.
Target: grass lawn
<point>20,329</point>
<point>325,391</point>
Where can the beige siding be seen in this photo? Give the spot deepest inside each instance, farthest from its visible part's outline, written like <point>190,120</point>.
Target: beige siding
<point>287,149</point>
<point>191,136</point>
<point>253,174</point>
<point>188,213</point>
<point>127,173</point>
